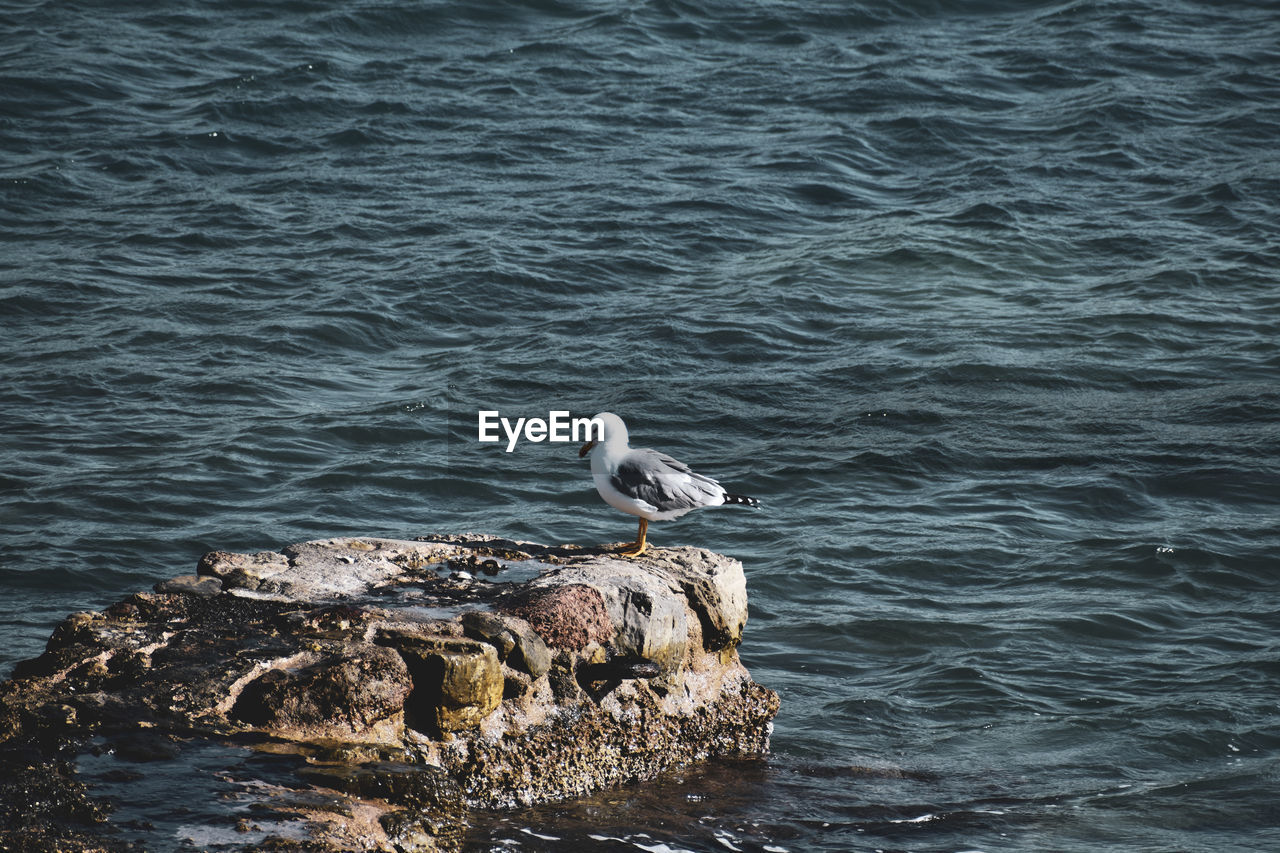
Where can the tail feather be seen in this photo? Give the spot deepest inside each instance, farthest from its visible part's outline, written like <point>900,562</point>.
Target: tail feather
<point>740,499</point>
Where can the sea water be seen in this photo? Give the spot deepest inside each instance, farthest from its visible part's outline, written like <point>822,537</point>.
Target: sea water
<point>978,298</point>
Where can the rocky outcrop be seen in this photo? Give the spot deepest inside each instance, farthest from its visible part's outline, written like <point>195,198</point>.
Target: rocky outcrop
<point>384,687</point>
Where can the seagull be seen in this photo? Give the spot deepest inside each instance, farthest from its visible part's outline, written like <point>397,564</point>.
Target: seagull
<point>647,483</point>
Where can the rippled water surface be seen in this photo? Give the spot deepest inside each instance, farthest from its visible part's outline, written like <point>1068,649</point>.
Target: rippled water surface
<point>979,298</point>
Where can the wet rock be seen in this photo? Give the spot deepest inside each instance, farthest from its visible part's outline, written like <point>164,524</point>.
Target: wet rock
<point>716,589</point>
<point>44,807</point>
<point>192,585</point>
<point>346,693</point>
<point>566,616</point>
<point>562,678</point>
<point>324,569</point>
<point>647,610</point>
<point>456,682</point>
<point>242,571</point>
<point>429,813</point>
<point>618,669</point>
<point>515,641</point>
<point>386,687</point>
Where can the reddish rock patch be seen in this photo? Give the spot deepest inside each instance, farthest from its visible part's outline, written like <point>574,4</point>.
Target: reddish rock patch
<point>566,617</point>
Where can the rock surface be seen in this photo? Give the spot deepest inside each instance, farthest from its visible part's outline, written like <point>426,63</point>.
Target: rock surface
<point>376,690</point>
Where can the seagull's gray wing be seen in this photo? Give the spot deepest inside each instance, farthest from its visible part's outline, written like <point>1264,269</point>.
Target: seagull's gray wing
<point>664,482</point>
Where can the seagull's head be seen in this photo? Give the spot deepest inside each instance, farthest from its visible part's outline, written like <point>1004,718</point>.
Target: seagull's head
<point>614,431</point>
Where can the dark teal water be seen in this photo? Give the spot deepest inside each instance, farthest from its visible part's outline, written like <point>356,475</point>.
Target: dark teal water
<point>979,298</point>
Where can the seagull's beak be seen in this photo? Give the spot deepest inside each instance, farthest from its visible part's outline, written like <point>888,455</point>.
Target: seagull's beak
<point>586,448</point>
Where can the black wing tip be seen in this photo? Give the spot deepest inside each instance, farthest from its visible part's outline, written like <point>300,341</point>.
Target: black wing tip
<point>742,500</point>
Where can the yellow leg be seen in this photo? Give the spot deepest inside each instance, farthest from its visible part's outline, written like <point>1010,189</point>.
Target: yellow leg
<point>637,548</point>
